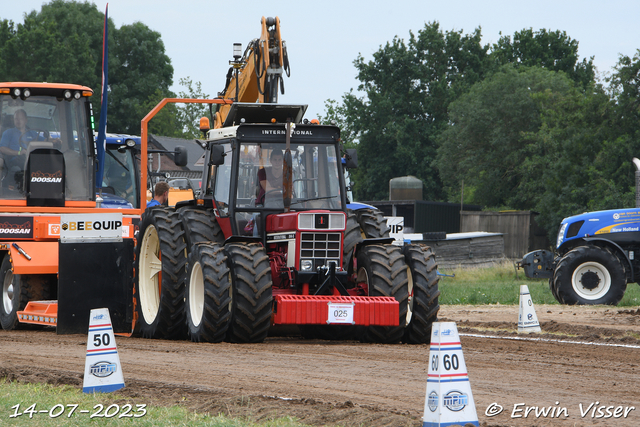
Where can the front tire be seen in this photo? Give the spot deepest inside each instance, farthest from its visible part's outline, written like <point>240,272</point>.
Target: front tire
<point>251,307</point>
<point>14,296</point>
<point>383,269</point>
<point>423,293</point>
<point>208,293</point>
<point>161,275</point>
<point>18,290</point>
<point>589,275</point>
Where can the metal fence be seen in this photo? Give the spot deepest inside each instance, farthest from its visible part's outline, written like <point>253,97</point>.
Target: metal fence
<point>521,232</point>
<point>423,216</point>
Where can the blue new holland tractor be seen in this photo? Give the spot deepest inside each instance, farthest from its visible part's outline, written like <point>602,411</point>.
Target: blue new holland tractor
<point>596,256</point>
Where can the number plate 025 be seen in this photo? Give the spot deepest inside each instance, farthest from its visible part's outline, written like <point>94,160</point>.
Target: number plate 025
<point>341,313</point>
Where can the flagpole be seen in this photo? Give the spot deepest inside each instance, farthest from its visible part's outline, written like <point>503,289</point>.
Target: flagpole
<point>102,129</point>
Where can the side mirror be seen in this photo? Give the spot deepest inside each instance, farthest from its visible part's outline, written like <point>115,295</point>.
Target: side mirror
<point>217,155</point>
<point>352,159</point>
<point>180,156</point>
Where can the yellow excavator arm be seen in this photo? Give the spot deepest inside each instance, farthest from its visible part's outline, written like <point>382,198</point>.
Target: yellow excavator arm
<point>257,75</point>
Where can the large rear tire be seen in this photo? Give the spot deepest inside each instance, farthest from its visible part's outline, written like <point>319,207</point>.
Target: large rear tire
<point>208,293</point>
<point>384,271</point>
<point>160,284</point>
<point>199,226</point>
<point>252,301</point>
<point>589,275</point>
<point>423,293</point>
<point>372,223</point>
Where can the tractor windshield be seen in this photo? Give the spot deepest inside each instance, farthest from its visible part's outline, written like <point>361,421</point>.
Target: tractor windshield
<point>315,177</point>
<point>50,125</point>
<point>120,176</point>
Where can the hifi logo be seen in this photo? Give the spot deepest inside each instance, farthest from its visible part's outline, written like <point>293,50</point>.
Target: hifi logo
<point>103,369</point>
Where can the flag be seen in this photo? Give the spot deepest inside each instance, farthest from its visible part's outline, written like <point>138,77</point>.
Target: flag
<point>102,129</point>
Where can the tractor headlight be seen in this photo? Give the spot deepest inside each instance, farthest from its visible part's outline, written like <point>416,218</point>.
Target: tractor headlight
<point>306,265</point>
<point>561,234</point>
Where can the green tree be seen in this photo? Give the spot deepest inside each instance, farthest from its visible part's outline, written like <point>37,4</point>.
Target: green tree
<point>484,144</point>
<point>188,115</point>
<point>625,90</point>
<point>139,68</point>
<point>165,122</point>
<point>573,161</point>
<point>553,50</point>
<point>529,138</point>
<point>407,89</point>
<point>63,43</point>
<point>337,114</point>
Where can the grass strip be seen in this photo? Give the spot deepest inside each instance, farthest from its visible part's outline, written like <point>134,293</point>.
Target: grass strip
<point>37,405</point>
<point>500,284</point>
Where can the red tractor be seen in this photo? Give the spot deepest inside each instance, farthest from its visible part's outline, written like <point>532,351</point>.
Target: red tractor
<point>271,241</point>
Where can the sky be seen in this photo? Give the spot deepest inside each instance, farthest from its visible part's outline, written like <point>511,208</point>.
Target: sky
<point>324,38</point>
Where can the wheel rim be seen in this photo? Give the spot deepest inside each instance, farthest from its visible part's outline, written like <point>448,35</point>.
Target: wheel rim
<point>196,294</point>
<point>7,292</point>
<point>409,298</point>
<point>363,277</point>
<point>150,268</point>
<point>591,281</point>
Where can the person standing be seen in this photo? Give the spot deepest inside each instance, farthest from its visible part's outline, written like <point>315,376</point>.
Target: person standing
<point>161,195</point>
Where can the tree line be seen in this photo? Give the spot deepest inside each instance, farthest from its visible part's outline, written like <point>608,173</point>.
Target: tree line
<point>519,124</point>
<point>63,43</point>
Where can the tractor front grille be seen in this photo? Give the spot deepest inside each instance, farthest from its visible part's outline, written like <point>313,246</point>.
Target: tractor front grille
<point>321,248</point>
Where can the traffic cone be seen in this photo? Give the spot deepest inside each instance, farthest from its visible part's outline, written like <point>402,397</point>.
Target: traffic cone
<point>102,369</point>
<point>449,400</point>
<point>527,320</point>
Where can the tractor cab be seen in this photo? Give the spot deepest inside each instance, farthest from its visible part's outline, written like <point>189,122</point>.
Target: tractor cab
<point>249,184</point>
<point>46,145</point>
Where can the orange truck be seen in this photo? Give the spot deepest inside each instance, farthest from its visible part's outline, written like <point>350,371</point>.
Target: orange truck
<point>62,253</point>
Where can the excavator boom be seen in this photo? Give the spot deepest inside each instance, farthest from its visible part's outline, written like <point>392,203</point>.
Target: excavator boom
<point>257,75</point>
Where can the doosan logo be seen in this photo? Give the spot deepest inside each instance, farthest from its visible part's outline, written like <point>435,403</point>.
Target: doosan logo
<point>46,177</point>
<point>8,228</point>
<point>15,230</point>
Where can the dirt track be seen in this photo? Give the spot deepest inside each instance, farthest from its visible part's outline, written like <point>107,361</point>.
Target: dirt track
<point>349,383</point>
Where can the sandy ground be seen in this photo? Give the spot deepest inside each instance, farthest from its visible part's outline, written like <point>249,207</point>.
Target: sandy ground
<point>584,355</point>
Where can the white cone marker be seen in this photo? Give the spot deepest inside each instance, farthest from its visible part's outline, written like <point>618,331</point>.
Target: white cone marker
<point>102,370</point>
<point>449,400</point>
<point>527,319</point>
